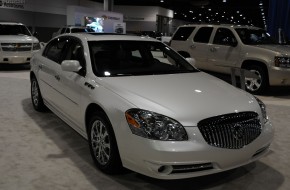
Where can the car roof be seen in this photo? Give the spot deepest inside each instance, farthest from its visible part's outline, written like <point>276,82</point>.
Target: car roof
<point>106,36</point>
<point>11,23</point>
<point>223,25</point>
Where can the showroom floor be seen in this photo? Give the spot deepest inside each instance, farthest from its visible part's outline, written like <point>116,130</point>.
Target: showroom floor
<point>39,151</point>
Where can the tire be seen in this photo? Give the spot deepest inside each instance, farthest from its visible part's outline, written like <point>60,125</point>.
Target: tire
<point>103,145</point>
<point>36,96</point>
<point>257,86</point>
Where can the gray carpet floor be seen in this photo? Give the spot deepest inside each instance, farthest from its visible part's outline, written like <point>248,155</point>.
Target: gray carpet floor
<point>39,151</point>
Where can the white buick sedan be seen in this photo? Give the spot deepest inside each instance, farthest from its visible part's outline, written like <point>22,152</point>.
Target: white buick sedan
<point>158,116</point>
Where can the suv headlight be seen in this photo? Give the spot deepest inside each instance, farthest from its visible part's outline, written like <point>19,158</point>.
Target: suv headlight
<point>155,126</point>
<point>36,46</point>
<point>281,61</point>
<point>263,110</point>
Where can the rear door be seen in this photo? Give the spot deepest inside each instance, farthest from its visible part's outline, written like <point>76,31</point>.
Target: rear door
<point>199,48</point>
<point>49,65</point>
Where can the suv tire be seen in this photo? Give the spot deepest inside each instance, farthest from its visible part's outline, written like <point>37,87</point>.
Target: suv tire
<point>257,86</point>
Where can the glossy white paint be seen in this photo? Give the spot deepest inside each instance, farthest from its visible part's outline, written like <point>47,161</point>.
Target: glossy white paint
<point>16,57</point>
<point>187,98</point>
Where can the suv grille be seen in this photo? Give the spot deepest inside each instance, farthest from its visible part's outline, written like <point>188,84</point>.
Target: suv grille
<point>16,46</point>
<point>232,131</point>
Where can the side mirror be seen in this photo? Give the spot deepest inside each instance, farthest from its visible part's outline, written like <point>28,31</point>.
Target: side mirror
<point>234,43</point>
<point>70,65</point>
<point>190,60</point>
<point>35,34</point>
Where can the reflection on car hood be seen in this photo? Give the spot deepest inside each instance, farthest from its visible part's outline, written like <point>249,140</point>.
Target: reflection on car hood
<point>187,98</point>
<point>283,49</point>
<point>17,39</point>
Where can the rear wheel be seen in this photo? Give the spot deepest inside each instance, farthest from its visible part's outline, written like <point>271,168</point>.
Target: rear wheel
<point>103,145</point>
<point>257,85</point>
<point>36,97</point>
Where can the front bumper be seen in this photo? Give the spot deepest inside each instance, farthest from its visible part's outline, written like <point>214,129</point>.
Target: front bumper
<point>279,76</point>
<point>185,159</point>
<point>15,57</point>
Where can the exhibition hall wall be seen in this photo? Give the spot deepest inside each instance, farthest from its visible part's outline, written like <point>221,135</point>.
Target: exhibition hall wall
<point>46,17</point>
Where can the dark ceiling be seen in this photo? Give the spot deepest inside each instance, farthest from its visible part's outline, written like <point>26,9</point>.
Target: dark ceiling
<point>210,11</point>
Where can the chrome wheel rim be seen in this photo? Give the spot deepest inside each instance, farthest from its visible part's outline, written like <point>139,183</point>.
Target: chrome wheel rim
<point>254,84</point>
<point>35,94</point>
<point>100,142</point>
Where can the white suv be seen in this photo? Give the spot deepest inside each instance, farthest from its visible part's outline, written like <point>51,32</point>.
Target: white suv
<point>219,48</point>
<point>16,43</point>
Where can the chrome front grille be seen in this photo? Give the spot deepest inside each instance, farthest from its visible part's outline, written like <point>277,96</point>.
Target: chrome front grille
<point>16,47</point>
<point>232,131</point>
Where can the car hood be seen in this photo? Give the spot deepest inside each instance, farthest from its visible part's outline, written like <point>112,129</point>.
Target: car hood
<point>18,39</point>
<point>283,49</point>
<point>187,98</point>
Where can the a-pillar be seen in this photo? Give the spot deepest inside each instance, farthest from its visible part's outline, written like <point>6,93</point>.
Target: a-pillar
<point>108,5</point>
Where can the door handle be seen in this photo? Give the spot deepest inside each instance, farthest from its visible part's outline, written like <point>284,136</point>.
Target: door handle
<point>57,77</point>
<point>213,49</point>
<point>192,46</point>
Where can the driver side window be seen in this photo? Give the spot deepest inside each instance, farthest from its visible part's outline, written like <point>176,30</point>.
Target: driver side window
<point>54,50</point>
<point>75,51</point>
<point>224,36</point>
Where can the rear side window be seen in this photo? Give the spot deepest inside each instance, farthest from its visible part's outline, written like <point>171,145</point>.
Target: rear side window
<point>183,33</point>
<point>203,35</point>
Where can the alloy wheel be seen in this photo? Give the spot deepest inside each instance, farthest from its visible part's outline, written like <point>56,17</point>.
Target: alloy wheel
<point>253,84</point>
<point>34,92</point>
<point>100,142</point>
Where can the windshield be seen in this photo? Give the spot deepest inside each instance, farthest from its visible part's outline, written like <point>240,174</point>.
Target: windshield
<point>14,30</point>
<point>254,36</point>
<point>131,58</point>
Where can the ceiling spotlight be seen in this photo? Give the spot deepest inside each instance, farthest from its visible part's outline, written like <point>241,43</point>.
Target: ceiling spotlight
<point>238,11</point>
<point>224,1</point>
<point>209,9</point>
<point>161,1</point>
<point>261,4</point>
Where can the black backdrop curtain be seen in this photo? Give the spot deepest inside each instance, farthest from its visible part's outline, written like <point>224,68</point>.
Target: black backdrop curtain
<point>279,17</point>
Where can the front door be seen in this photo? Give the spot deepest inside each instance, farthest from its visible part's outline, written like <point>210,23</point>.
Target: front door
<point>224,52</point>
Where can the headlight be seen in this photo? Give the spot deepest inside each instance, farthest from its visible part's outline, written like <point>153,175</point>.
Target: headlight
<point>155,126</point>
<point>283,62</point>
<point>36,46</point>
<point>263,110</point>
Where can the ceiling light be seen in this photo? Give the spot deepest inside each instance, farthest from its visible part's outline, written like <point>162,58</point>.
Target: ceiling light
<point>224,1</point>
<point>209,9</point>
<point>238,11</point>
<point>161,1</point>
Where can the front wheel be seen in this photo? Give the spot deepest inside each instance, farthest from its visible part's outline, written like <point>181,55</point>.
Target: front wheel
<point>259,84</point>
<point>103,145</point>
